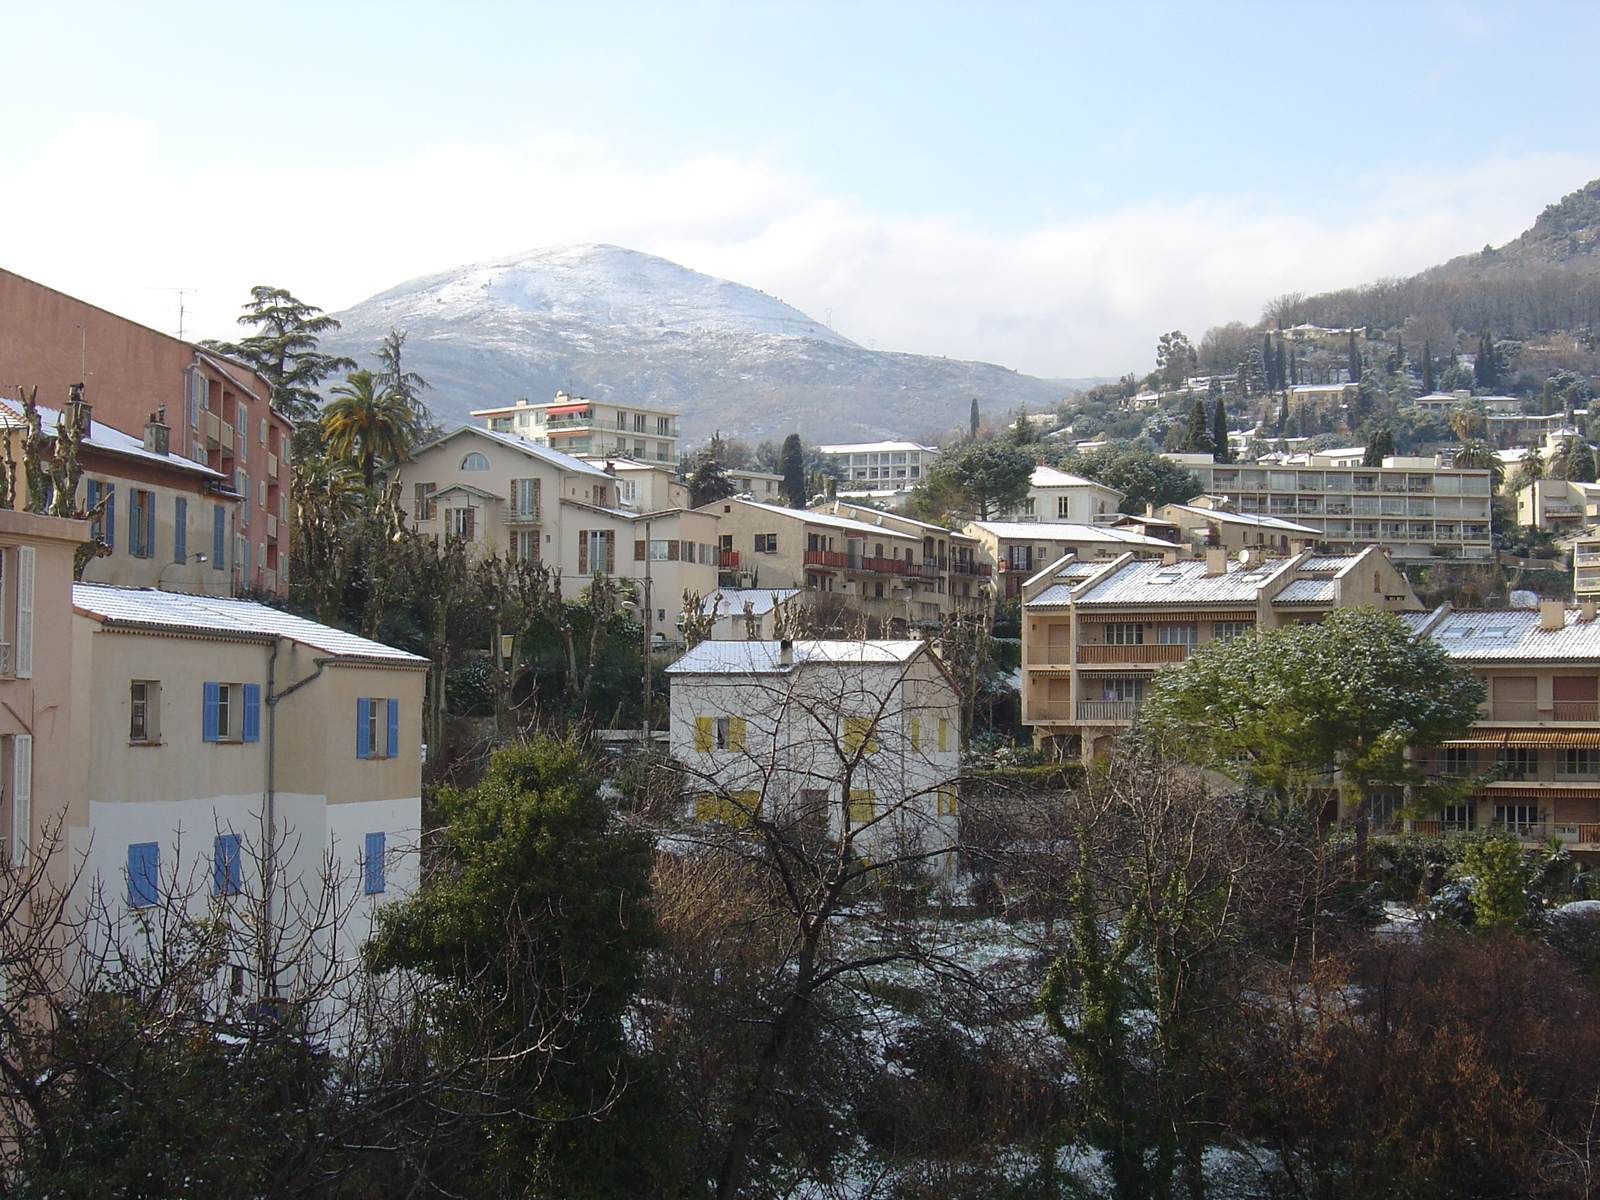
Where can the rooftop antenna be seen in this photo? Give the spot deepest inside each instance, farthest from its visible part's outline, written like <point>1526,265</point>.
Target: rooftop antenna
<point>182,292</point>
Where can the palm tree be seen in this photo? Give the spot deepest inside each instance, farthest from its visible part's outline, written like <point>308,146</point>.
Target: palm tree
<point>1477,455</point>
<point>365,422</point>
<point>1530,469</point>
<point>1466,422</point>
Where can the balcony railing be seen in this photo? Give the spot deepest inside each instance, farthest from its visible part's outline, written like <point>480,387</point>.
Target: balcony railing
<point>1132,654</point>
<point>827,558</point>
<point>982,569</point>
<point>1049,711</point>
<point>526,515</point>
<point>574,422</point>
<point>1049,656</point>
<point>1107,710</point>
<point>5,659</point>
<point>728,559</point>
<point>1577,710</point>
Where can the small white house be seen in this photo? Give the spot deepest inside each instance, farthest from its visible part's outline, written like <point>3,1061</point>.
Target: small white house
<point>855,740</point>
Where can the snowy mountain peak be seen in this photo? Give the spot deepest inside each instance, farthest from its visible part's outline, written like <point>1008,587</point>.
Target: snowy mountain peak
<point>600,285</point>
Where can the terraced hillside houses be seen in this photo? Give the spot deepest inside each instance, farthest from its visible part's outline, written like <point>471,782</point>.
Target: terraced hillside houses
<point>1095,634</point>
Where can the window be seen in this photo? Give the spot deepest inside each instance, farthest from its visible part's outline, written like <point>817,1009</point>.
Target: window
<point>1517,816</point>
<point>1019,558</point>
<point>180,530</point>
<point>219,536</point>
<point>22,650</point>
<point>638,423</point>
<point>731,808</point>
<point>525,499</point>
<point>106,527</point>
<point>766,543</point>
<point>1177,635</point>
<point>663,426</point>
<point>658,550</point>
<point>1122,690</point>
<point>422,504</point>
<point>622,420</point>
<point>377,727</point>
<point>597,551</point>
<point>141,523</point>
<point>144,867</point>
<point>523,546</point>
<point>144,712</point>
<point>915,733</point>
<point>860,734</point>
<point>461,523</point>
<point>20,747</point>
<point>1063,508</point>
<point>474,462</point>
<point>730,733</point>
<point>373,875</point>
<point>1516,762</point>
<point>227,865</point>
<point>944,733</point>
<point>1576,761</point>
<point>945,801</point>
<point>263,431</point>
<point>1458,760</point>
<point>231,712</point>
<point>863,806</point>
<point>1124,634</point>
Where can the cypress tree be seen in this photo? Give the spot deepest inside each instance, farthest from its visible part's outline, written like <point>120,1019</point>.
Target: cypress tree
<point>792,460</point>
<point>1427,368</point>
<point>1283,370</point>
<point>1355,359</point>
<point>977,417</point>
<point>1219,431</point>
<point>1294,370</point>
<point>1197,438</point>
<point>1268,362</point>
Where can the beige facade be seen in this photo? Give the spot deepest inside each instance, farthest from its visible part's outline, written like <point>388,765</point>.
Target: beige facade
<point>1208,523</point>
<point>858,738</point>
<point>1558,505</point>
<point>1094,635</point>
<point>218,411</point>
<point>576,425</point>
<point>1413,508</point>
<point>1018,550</point>
<point>1065,499</point>
<point>880,466</point>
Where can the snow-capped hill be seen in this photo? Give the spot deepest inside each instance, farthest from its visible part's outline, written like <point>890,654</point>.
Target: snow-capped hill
<point>609,322</point>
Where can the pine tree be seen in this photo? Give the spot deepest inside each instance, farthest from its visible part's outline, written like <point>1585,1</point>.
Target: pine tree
<point>1427,368</point>
<point>1354,367</point>
<point>1379,446</point>
<point>977,417</point>
<point>284,349</point>
<point>794,472</point>
<point>1197,438</point>
<point>1219,431</point>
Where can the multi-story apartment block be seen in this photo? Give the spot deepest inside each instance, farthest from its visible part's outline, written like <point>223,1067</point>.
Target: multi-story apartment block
<point>1095,634</point>
<point>758,485</point>
<point>1064,498</point>
<point>218,411</point>
<point>577,425</point>
<point>884,570</point>
<point>1558,505</point>
<point>1586,565</point>
<point>1532,760</point>
<point>957,555</point>
<point>849,738</point>
<point>1412,507</point>
<point>1018,550</point>
<point>1208,523</point>
<point>880,466</point>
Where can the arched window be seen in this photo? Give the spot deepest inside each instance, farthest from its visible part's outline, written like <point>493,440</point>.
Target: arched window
<point>474,462</point>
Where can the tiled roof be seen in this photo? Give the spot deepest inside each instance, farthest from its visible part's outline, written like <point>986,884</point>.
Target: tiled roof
<point>1254,520</point>
<point>1045,475</point>
<point>870,447</point>
<point>743,658</point>
<point>1320,564</point>
<point>219,615</point>
<point>1052,531</point>
<point>1182,583</point>
<point>104,437</point>
<point>1308,591</point>
<point>731,601</point>
<point>1513,635</point>
<point>533,449</point>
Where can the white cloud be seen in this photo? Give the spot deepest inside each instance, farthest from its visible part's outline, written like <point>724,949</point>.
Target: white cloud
<point>111,214</point>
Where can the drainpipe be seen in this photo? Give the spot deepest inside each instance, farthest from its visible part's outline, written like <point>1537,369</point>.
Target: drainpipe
<point>269,969</point>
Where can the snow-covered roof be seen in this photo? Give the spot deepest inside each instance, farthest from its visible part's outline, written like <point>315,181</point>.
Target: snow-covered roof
<point>104,437</point>
<point>1254,520</point>
<point>1144,582</point>
<point>1509,634</point>
<point>1046,476</point>
<point>731,601</point>
<point>874,447</point>
<point>758,658</point>
<point>221,616</point>
<point>555,458</point>
<point>1309,591</point>
<point>1050,531</point>
<point>812,517</point>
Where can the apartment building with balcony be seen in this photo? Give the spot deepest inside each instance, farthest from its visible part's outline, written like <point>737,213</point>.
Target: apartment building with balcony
<point>880,466</point>
<point>875,564</point>
<point>1095,634</point>
<point>1412,507</point>
<point>580,426</point>
<point>1208,523</point>
<point>1061,497</point>
<point>1017,550</point>
<point>1558,505</point>
<point>1586,565</point>
<point>218,411</point>
<point>1531,762</point>
<point>957,554</point>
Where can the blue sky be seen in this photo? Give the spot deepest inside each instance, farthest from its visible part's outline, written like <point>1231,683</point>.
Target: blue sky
<point>1049,186</point>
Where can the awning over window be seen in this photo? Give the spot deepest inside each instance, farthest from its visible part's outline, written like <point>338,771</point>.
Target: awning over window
<point>563,410</point>
<point>1531,737</point>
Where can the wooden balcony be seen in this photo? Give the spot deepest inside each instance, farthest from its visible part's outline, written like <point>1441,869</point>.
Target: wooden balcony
<point>827,558</point>
<point>728,560</point>
<point>1132,654</point>
<point>1049,656</point>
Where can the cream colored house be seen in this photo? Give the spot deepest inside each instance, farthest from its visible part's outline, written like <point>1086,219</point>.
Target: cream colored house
<point>958,556</point>
<point>1018,549</point>
<point>1208,523</point>
<point>1063,498</point>
<point>857,740</point>
<point>213,733</point>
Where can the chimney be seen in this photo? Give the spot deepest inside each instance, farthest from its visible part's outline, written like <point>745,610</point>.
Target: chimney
<point>157,437</point>
<point>1552,615</point>
<point>1216,561</point>
<point>1587,611</point>
<point>786,653</point>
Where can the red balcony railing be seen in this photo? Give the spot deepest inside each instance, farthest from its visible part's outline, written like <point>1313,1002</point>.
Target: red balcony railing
<point>827,558</point>
<point>728,558</point>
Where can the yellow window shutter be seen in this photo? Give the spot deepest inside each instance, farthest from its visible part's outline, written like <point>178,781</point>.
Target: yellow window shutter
<point>735,733</point>
<point>916,733</point>
<point>863,806</point>
<point>702,733</point>
<point>853,733</point>
<point>746,808</point>
<point>947,802</point>
<point>944,733</point>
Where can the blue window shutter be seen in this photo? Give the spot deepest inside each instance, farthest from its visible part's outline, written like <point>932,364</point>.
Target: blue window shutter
<point>219,536</point>
<point>372,880</point>
<point>134,523</point>
<point>393,747</point>
<point>227,874</point>
<point>363,728</point>
<point>144,865</point>
<point>111,516</point>
<point>93,499</point>
<point>252,713</point>
<point>213,702</point>
<point>180,530</point>
<point>149,524</point>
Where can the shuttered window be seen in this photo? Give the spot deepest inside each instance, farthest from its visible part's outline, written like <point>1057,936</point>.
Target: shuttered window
<point>227,865</point>
<point>24,647</point>
<point>373,874</point>
<point>21,797</point>
<point>863,806</point>
<point>180,530</point>
<point>144,866</point>
<point>219,536</point>
<point>703,734</point>
<point>377,727</point>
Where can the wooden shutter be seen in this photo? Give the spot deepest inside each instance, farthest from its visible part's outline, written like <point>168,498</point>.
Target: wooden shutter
<point>672,551</point>
<point>24,648</point>
<point>702,733</point>
<point>250,731</point>
<point>583,552</point>
<point>863,806</point>
<point>392,742</point>
<point>219,537</point>
<point>363,728</point>
<point>111,516</point>
<point>180,530</point>
<point>611,551</point>
<point>916,733</point>
<point>144,863</point>
<point>149,524</point>
<point>372,873</point>
<point>212,703</point>
<point>944,733</point>
<point>1573,687</point>
<point>21,797</point>
<point>226,873</point>
<point>470,523</point>
<point>639,549</point>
